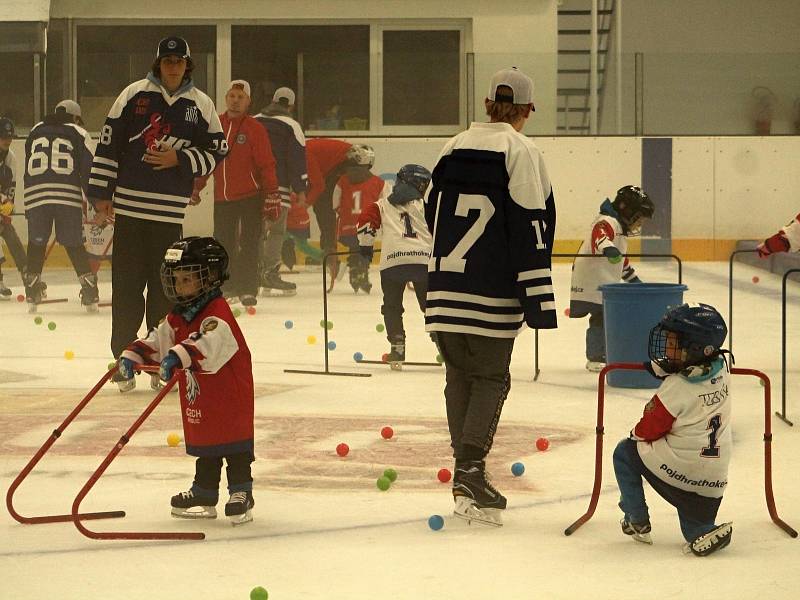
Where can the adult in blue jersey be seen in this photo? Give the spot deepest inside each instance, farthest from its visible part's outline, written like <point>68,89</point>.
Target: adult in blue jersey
<point>492,216</point>
<point>160,134</point>
<point>58,157</point>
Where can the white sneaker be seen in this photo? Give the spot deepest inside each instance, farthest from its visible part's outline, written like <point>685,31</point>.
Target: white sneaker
<point>595,366</point>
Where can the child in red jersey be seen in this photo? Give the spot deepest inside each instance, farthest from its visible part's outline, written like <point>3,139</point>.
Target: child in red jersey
<point>202,341</point>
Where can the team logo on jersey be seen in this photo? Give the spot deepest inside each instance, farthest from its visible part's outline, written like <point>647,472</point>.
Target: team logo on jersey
<point>191,114</point>
<point>142,104</point>
<point>209,325</point>
<point>192,387</point>
<point>241,138</point>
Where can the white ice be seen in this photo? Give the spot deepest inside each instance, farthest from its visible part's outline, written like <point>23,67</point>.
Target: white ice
<point>322,529</point>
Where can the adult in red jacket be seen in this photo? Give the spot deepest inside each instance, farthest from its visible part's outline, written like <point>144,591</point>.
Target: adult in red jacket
<point>245,185</point>
<point>327,161</point>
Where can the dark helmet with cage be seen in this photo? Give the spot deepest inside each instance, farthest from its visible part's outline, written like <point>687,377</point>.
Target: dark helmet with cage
<point>203,258</point>
<point>6,128</point>
<point>633,205</point>
<point>362,155</point>
<point>411,183</point>
<point>687,335</point>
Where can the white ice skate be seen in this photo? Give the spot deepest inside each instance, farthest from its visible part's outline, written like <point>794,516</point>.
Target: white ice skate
<point>594,366</point>
<point>468,511</point>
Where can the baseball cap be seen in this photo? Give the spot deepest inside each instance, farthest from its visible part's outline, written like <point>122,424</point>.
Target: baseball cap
<point>70,107</point>
<point>173,46</point>
<point>240,83</point>
<point>283,93</point>
<point>521,87</point>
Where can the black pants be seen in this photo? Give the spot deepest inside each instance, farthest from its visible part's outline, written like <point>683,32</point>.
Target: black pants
<point>478,382</point>
<point>237,226</point>
<point>9,234</point>
<point>323,210</point>
<point>139,248</point>
<point>208,471</point>
<point>393,284</point>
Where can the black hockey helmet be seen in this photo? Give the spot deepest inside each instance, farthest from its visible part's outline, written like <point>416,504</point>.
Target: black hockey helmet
<point>632,205</point>
<point>6,128</point>
<point>698,332</point>
<point>204,256</point>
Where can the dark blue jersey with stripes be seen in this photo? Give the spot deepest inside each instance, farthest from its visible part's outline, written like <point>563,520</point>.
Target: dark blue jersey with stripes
<point>146,116</point>
<point>58,157</point>
<point>492,214</point>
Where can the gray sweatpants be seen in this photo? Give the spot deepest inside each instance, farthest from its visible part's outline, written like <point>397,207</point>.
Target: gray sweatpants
<point>478,382</point>
<point>272,242</point>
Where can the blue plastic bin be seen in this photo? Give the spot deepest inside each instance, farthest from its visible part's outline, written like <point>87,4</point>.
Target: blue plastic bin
<point>630,311</point>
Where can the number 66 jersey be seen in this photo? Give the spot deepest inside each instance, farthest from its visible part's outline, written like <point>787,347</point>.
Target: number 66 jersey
<point>493,217</point>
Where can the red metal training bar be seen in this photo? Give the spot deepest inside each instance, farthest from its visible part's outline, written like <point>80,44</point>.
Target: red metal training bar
<point>128,535</point>
<point>38,456</point>
<point>599,430</point>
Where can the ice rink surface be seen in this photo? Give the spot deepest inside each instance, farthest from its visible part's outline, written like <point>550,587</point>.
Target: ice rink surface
<point>322,529</point>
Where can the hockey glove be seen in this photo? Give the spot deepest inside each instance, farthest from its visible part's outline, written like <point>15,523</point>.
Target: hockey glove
<point>366,252</point>
<point>613,255</point>
<point>126,367</point>
<point>168,365</point>
<point>776,243</point>
<point>272,207</point>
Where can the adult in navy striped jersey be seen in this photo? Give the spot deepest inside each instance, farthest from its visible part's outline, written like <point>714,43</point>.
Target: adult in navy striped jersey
<point>160,134</point>
<point>58,157</point>
<point>8,187</point>
<point>492,215</point>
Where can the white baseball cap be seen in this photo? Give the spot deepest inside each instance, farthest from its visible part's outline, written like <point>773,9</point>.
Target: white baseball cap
<point>70,107</point>
<point>521,87</point>
<point>284,92</point>
<point>241,83</point>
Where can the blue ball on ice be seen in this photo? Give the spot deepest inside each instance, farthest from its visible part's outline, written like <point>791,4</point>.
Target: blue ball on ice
<point>331,345</point>
<point>517,469</point>
<point>358,357</point>
<point>435,522</point>
<point>288,324</point>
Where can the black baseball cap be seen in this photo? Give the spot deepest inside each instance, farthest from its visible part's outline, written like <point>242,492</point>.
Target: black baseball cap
<point>173,46</point>
<point>6,128</point>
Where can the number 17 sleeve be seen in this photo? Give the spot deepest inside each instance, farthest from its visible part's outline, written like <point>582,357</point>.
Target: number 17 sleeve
<point>531,232</point>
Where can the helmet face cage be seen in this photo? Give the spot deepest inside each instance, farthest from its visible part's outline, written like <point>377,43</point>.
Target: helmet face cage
<point>204,259</point>
<point>362,155</point>
<point>201,273</point>
<point>687,336</point>
<point>416,176</point>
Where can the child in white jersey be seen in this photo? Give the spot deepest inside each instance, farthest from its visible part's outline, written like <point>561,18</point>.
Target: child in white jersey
<point>618,220</point>
<point>786,240</point>
<point>682,443</point>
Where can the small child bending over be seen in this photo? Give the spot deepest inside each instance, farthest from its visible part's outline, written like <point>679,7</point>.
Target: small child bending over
<point>682,444</point>
<point>201,340</point>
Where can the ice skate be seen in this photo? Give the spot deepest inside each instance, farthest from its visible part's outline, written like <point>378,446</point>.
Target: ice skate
<point>359,281</point>
<point>639,531</point>
<point>89,293</point>
<point>397,353</point>
<point>710,542</point>
<point>476,499</point>
<point>272,284</point>
<point>595,366</point>
<point>35,290</point>
<point>239,508</point>
<point>124,385</point>
<point>5,292</point>
<point>248,300</point>
<point>187,505</point>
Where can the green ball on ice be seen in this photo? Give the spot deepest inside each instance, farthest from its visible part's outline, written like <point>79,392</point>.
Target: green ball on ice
<point>111,365</point>
<point>384,483</point>
<point>326,324</point>
<point>379,327</point>
<point>51,325</point>
<point>390,474</point>
<point>236,313</point>
<point>439,358</point>
<point>37,320</point>
<point>259,593</point>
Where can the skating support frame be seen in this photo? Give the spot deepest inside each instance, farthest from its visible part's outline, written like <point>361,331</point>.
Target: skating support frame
<point>599,431</point>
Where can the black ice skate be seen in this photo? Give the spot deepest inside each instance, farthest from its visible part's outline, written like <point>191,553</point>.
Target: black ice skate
<point>35,290</point>
<point>248,300</point>
<point>714,540</point>
<point>397,352</point>
<point>90,295</point>
<point>274,285</point>
<point>475,497</point>
<point>5,292</point>
<point>639,531</point>
<point>188,506</point>
<point>238,508</point>
<point>359,281</point>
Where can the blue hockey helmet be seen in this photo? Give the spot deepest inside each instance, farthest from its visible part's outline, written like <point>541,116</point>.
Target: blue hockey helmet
<point>690,334</point>
<point>6,128</point>
<point>411,183</point>
<point>203,256</point>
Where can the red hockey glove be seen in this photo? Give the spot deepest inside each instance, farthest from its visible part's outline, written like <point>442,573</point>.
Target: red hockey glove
<point>272,207</point>
<point>776,243</point>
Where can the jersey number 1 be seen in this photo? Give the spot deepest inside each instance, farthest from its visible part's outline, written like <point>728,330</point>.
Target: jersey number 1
<point>712,450</point>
